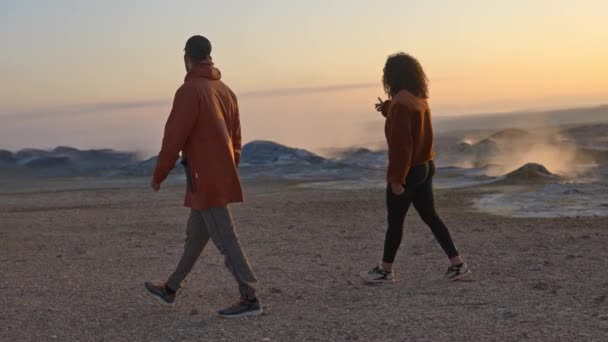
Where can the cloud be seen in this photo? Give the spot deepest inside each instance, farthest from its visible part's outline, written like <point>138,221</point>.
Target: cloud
<point>81,109</point>
<point>103,107</point>
<point>321,89</point>
<point>308,90</point>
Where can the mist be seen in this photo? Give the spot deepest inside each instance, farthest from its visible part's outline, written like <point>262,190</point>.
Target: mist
<point>544,146</point>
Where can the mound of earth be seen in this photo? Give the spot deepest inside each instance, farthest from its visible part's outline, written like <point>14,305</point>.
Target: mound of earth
<point>530,173</point>
<point>269,160</point>
<point>144,168</point>
<point>29,153</point>
<point>48,162</point>
<point>94,158</point>
<point>464,153</point>
<point>509,133</point>
<point>464,147</point>
<point>363,157</point>
<point>267,152</point>
<point>7,157</point>
<point>485,148</point>
<point>66,161</point>
<point>51,166</point>
<point>591,137</point>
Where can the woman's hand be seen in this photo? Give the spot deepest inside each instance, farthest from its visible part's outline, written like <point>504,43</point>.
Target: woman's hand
<point>397,189</point>
<point>382,106</point>
<point>379,105</point>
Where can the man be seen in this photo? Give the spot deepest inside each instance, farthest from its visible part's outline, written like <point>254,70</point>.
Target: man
<point>204,125</point>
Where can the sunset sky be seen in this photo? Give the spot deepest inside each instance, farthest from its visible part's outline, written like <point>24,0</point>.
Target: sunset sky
<point>103,73</point>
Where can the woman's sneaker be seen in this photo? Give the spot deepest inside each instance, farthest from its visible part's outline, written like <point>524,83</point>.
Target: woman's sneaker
<point>242,308</point>
<point>377,275</point>
<point>457,272</point>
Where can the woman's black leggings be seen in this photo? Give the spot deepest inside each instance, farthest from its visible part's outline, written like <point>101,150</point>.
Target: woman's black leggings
<point>418,191</point>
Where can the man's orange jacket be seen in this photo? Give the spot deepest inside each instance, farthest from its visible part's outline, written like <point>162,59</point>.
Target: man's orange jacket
<point>204,125</point>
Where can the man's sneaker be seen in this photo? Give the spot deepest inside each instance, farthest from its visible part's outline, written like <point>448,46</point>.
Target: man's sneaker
<point>159,292</point>
<point>377,275</point>
<point>457,272</point>
<point>242,308</point>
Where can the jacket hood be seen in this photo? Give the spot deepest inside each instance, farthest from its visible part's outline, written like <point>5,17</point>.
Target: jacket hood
<point>204,69</point>
<point>407,99</point>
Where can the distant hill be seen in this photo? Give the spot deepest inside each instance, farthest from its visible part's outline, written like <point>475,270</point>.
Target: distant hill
<point>270,160</point>
<point>7,157</point>
<point>262,152</point>
<point>493,153</point>
<point>526,119</point>
<point>65,161</point>
<point>364,157</point>
<point>259,158</point>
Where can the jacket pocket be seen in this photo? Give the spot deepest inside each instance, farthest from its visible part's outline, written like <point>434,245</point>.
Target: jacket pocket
<point>190,182</point>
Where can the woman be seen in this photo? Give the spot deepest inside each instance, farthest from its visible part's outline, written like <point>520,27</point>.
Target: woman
<point>409,135</point>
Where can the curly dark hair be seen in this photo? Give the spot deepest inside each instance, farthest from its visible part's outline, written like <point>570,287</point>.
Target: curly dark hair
<point>404,72</point>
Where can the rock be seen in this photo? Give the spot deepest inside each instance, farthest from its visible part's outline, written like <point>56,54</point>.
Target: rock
<point>540,286</point>
<point>505,314</point>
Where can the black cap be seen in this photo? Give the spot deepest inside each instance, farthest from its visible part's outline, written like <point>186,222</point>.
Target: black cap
<point>198,47</point>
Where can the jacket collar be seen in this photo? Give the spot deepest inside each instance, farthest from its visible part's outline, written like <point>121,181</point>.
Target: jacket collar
<point>409,100</point>
<point>204,69</point>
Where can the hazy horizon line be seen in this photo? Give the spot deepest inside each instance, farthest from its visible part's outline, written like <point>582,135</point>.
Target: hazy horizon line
<point>500,123</point>
<point>308,90</point>
<point>95,107</point>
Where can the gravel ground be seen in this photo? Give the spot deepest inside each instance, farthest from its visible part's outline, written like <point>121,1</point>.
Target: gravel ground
<point>74,261</point>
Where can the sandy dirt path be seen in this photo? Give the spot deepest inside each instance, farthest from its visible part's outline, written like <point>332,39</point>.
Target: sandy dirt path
<point>73,263</point>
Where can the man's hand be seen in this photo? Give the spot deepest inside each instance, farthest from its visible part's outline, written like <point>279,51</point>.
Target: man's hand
<point>397,189</point>
<point>155,186</point>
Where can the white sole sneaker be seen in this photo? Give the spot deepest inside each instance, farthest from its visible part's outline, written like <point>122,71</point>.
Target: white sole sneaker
<point>457,273</point>
<point>461,276</point>
<point>377,276</point>
<point>379,281</point>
